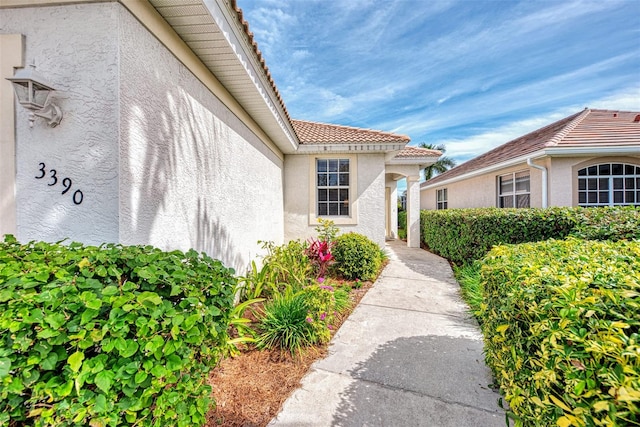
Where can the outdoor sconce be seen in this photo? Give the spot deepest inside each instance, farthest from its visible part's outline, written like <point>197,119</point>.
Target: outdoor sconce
<point>33,91</point>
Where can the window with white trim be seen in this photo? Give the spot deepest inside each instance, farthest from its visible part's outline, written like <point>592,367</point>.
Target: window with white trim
<point>441,199</point>
<point>609,184</point>
<point>514,190</point>
<point>332,183</point>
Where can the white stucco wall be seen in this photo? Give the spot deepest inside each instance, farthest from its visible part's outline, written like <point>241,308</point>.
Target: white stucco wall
<point>370,219</point>
<point>563,176</point>
<point>481,191</point>
<point>82,64</point>
<point>191,174</point>
<point>159,159</point>
<point>562,183</point>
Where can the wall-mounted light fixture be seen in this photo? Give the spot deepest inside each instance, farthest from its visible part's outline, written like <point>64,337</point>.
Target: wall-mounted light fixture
<point>33,91</point>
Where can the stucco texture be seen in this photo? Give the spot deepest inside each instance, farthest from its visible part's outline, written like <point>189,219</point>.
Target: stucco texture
<point>191,174</point>
<point>481,191</point>
<point>82,66</point>
<point>562,179</point>
<point>159,159</point>
<point>370,216</point>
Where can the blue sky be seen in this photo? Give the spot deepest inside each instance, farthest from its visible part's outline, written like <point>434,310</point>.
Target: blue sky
<point>468,74</point>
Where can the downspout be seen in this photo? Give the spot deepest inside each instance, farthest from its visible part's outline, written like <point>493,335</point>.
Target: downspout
<point>544,180</point>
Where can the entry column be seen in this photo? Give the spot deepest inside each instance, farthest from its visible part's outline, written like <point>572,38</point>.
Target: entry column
<point>413,211</point>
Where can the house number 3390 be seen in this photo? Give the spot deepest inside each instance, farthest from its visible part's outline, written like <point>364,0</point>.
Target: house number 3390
<point>52,180</point>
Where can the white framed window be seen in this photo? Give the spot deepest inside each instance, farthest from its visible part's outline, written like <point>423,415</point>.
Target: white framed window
<point>333,187</point>
<point>441,199</point>
<point>514,190</point>
<point>609,184</point>
<point>333,192</point>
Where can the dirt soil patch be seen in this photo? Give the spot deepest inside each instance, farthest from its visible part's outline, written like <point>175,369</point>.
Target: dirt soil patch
<point>250,388</point>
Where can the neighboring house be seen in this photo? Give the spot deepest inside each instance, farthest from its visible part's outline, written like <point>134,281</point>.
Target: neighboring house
<point>591,158</point>
<point>175,135</point>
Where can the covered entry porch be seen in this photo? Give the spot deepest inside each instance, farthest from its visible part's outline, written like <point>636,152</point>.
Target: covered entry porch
<point>406,164</point>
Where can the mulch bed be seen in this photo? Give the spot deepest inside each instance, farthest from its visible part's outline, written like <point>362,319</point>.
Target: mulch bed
<point>250,388</point>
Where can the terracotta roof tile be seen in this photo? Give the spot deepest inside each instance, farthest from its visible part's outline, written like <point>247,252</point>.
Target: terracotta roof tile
<point>588,127</point>
<point>417,152</point>
<point>261,60</point>
<point>323,133</point>
<point>604,127</point>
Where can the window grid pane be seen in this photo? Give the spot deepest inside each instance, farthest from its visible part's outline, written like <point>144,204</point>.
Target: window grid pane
<point>441,199</point>
<point>608,184</point>
<point>332,187</point>
<point>514,190</point>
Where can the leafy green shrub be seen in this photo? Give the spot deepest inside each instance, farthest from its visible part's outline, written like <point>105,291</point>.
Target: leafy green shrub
<point>284,323</point>
<point>357,257</point>
<point>108,335</point>
<point>561,321</point>
<point>327,230</point>
<point>402,220</point>
<point>464,235</point>
<point>607,223</point>
<point>288,265</point>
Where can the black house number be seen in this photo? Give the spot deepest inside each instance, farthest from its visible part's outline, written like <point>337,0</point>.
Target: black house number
<point>51,176</point>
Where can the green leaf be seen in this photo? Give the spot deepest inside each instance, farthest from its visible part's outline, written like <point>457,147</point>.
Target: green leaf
<point>159,371</point>
<point>130,348</point>
<point>55,320</point>
<point>174,362</point>
<point>155,343</point>
<point>49,363</point>
<point>65,390</point>
<point>88,315</point>
<point>110,290</point>
<point>94,304</point>
<point>100,405</point>
<point>75,361</point>
<point>47,333</point>
<point>579,387</point>
<point>152,297</point>
<point>104,380</point>
<point>140,377</point>
<point>5,367</point>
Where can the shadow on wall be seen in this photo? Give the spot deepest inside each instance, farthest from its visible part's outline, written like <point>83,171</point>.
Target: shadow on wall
<point>169,161</point>
<point>422,381</point>
<point>212,238</point>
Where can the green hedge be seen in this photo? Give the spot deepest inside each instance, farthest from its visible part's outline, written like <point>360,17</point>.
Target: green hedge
<point>110,335</point>
<point>607,223</point>
<point>561,321</point>
<point>464,235</point>
<point>402,219</point>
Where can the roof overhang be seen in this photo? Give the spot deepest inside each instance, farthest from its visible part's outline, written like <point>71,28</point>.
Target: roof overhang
<point>211,29</point>
<point>582,151</point>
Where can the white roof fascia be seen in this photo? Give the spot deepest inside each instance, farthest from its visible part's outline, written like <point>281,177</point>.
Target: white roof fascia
<point>593,151</point>
<point>227,22</point>
<point>488,169</point>
<point>349,148</point>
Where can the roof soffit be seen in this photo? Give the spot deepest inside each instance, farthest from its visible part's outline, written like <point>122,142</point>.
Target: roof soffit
<point>214,32</point>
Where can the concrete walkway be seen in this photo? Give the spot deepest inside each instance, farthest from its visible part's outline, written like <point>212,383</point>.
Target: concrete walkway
<point>409,355</point>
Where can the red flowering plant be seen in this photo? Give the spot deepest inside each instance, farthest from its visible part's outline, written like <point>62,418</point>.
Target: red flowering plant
<point>319,253</point>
